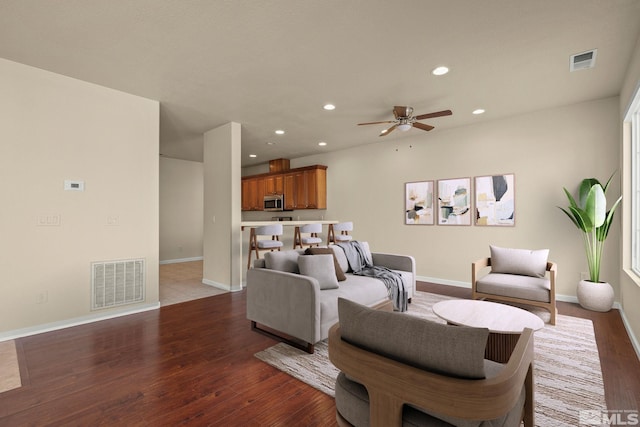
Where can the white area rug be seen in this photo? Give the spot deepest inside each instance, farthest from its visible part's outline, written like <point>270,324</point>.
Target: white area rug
<point>567,372</point>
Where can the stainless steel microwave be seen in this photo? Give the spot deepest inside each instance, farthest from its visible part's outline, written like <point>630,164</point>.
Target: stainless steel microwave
<point>273,203</point>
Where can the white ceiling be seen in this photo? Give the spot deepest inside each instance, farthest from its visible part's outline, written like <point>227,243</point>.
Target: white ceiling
<point>273,64</point>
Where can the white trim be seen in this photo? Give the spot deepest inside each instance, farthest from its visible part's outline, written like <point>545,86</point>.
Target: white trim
<point>632,336</point>
<point>179,260</point>
<point>443,281</point>
<point>90,318</point>
<point>220,285</point>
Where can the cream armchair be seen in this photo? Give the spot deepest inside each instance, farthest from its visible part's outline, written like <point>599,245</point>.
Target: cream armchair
<point>517,276</point>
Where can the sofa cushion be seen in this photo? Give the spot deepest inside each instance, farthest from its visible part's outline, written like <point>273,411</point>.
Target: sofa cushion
<point>361,289</point>
<point>321,268</point>
<point>524,262</point>
<point>508,285</point>
<point>451,350</point>
<point>341,257</point>
<point>282,261</point>
<point>328,251</point>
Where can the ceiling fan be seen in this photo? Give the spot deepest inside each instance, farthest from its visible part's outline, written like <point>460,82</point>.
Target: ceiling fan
<point>405,120</point>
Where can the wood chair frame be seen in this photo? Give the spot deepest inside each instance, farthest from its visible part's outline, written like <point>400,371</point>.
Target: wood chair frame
<point>253,245</point>
<point>552,268</point>
<point>392,384</point>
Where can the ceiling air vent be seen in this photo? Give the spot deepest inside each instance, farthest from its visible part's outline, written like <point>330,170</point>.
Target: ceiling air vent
<point>582,61</point>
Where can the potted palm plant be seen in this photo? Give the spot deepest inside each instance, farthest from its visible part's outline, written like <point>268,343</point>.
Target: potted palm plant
<point>591,217</point>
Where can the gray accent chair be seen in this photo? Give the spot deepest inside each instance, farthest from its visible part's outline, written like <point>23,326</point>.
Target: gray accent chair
<point>518,276</point>
<point>400,370</point>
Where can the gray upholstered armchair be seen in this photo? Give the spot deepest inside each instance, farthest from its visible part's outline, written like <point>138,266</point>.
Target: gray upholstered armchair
<point>397,369</point>
<point>517,275</point>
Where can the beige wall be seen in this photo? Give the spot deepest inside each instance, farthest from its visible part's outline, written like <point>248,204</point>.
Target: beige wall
<point>181,209</point>
<point>629,283</point>
<point>56,128</point>
<point>222,240</point>
<point>546,150</point>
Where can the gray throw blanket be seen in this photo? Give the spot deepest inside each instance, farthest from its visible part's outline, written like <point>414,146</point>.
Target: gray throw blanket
<point>362,265</point>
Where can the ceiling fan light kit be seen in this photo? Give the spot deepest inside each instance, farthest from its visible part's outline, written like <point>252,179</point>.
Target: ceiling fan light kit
<point>405,120</point>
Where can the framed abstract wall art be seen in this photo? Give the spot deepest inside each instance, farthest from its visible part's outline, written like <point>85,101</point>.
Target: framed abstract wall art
<point>495,200</point>
<point>454,201</point>
<point>418,203</point>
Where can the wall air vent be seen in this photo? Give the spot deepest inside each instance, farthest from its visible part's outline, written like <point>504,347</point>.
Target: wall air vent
<point>117,283</point>
<point>582,61</point>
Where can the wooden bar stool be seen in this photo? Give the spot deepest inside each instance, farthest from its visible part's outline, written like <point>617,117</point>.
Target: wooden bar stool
<point>343,229</point>
<point>257,245</point>
<point>311,240</point>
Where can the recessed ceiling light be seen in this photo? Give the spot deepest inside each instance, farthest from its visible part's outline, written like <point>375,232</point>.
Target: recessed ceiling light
<point>329,107</point>
<point>253,156</point>
<point>270,143</point>
<point>322,143</point>
<point>440,71</point>
<point>478,111</point>
<point>280,132</point>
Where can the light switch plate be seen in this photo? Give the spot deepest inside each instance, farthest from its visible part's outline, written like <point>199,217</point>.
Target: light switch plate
<point>70,185</point>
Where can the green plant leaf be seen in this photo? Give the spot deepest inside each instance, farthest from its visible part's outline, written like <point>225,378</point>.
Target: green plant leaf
<point>585,188</point>
<point>603,231</point>
<point>582,219</point>
<point>596,205</point>
<point>572,201</point>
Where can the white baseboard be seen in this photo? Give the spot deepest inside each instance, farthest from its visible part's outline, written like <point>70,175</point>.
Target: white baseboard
<point>220,285</point>
<point>632,336</point>
<point>176,261</point>
<point>90,318</point>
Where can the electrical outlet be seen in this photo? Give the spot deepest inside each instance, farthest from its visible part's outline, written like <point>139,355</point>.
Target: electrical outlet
<point>49,220</point>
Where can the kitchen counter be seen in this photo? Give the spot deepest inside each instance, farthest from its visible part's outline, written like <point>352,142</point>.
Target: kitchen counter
<point>244,224</point>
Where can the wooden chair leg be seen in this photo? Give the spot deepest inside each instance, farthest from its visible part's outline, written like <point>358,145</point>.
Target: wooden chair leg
<point>253,245</point>
<point>331,238</point>
<point>296,238</point>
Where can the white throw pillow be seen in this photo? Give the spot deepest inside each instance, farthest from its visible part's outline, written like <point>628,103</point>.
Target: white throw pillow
<point>321,268</point>
<point>524,262</point>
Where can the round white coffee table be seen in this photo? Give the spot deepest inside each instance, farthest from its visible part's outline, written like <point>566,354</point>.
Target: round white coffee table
<point>505,323</point>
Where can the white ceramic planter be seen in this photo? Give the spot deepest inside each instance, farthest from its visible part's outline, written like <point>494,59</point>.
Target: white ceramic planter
<point>595,296</point>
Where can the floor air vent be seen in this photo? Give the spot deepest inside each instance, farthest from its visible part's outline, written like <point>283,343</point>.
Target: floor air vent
<point>117,283</point>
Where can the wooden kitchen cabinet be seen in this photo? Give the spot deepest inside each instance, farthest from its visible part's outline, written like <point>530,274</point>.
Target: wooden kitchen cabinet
<point>252,194</point>
<point>303,188</point>
<point>316,182</point>
<point>274,184</point>
<point>306,188</point>
<point>289,191</point>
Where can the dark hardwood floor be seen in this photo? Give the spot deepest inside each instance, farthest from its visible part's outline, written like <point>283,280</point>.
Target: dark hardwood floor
<point>192,363</point>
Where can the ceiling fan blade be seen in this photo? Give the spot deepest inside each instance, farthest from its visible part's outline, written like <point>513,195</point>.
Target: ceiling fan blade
<point>387,131</point>
<point>422,126</point>
<point>376,123</point>
<point>432,115</point>
<point>400,111</point>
